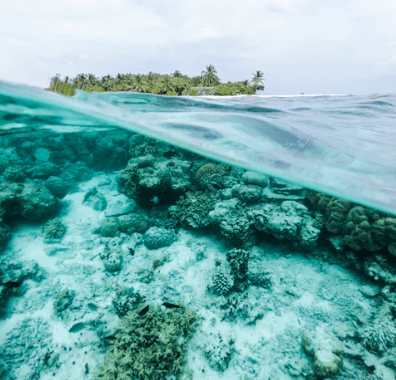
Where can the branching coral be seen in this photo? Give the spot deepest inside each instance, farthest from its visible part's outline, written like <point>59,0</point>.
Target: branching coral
<point>193,209</point>
<point>150,344</point>
<point>380,335</point>
<point>239,259</point>
<point>54,229</point>
<point>222,281</point>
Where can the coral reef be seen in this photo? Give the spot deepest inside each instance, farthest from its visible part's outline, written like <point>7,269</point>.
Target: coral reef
<point>54,229</point>
<point>193,209</point>
<point>254,178</point>
<point>132,223</point>
<point>30,200</point>
<point>247,193</point>
<point>112,258</point>
<point>211,176</point>
<point>150,344</point>
<point>57,186</point>
<point>63,301</point>
<point>379,335</point>
<point>126,301</point>
<point>291,220</point>
<point>222,280</point>
<point>156,238</point>
<point>239,260</point>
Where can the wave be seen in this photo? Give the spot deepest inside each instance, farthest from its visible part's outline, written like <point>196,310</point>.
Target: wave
<point>343,145</point>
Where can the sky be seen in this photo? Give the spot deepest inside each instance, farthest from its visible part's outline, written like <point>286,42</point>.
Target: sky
<point>301,46</point>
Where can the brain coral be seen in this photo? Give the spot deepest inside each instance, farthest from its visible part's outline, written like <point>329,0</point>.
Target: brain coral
<point>336,214</point>
<point>155,238</point>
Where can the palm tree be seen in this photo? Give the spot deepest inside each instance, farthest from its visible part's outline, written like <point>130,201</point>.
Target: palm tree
<point>177,74</point>
<point>209,77</point>
<point>139,84</point>
<point>257,80</point>
<point>167,85</point>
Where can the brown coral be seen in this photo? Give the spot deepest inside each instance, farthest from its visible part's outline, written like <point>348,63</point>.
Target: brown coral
<point>336,214</point>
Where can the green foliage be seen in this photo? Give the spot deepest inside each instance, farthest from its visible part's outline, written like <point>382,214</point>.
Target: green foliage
<point>231,89</point>
<point>257,80</point>
<point>149,346</point>
<point>192,92</point>
<point>60,87</point>
<point>156,83</point>
<point>209,77</point>
<point>95,88</point>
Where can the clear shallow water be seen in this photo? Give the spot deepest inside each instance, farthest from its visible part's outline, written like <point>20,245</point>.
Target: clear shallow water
<point>341,145</point>
<point>142,227</point>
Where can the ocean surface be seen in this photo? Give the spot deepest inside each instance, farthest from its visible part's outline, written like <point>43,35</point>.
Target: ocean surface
<point>147,237</point>
<point>342,145</point>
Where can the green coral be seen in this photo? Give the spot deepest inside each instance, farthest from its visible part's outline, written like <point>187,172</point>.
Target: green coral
<point>54,229</point>
<point>193,209</point>
<point>149,346</point>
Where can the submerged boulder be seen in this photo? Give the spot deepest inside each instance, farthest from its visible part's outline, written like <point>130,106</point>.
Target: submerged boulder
<point>30,200</point>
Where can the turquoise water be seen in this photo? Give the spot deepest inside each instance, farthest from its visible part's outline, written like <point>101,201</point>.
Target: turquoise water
<point>125,257</point>
<point>341,145</point>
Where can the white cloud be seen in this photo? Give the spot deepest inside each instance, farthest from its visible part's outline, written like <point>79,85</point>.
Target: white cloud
<point>301,45</point>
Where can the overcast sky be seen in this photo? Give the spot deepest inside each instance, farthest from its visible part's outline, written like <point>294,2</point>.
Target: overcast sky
<point>302,46</point>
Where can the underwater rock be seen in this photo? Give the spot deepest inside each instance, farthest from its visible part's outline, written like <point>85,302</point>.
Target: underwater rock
<point>43,171</point>
<point>132,223</point>
<point>54,229</point>
<point>291,220</point>
<point>4,235</point>
<point>193,209</point>
<point>57,186</point>
<point>12,277</point>
<point>156,238</point>
<point>254,178</point>
<point>30,200</point>
<point>166,180</point>
<point>235,226</point>
<point>380,269</point>
<point>120,205</point>
<point>97,201</point>
<point>76,172</point>
<point>325,351</point>
<point>281,187</point>
<point>222,209</point>
<point>247,193</point>
<point>15,174</point>
<point>109,227</point>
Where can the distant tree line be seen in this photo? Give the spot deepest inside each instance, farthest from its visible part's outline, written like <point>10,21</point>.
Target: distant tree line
<point>154,83</point>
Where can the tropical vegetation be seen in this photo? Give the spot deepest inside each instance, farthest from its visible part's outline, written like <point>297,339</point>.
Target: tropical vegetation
<point>174,84</point>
